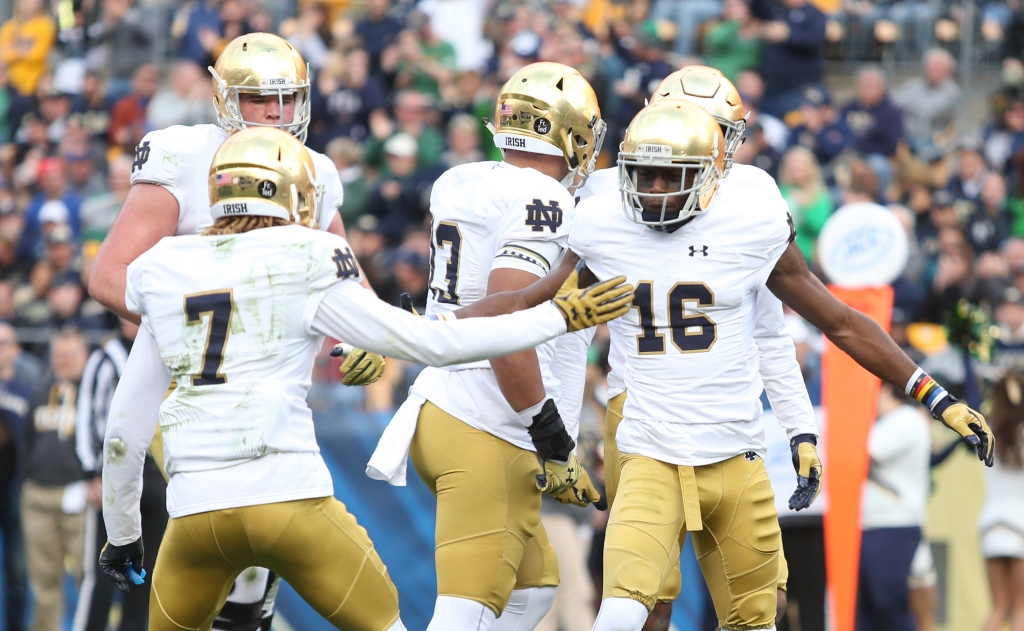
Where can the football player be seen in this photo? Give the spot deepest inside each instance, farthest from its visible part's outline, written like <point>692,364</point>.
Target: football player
<point>236,317</point>
<point>690,429</point>
<point>259,80</point>
<point>488,437</point>
<point>778,368</point>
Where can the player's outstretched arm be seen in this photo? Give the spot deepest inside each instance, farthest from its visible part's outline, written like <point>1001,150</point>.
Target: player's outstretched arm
<point>350,312</point>
<point>149,214</point>
<point>509,301</point>
<point>871,347</point>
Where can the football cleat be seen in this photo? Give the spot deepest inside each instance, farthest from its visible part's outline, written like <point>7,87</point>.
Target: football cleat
<point>267,172</point>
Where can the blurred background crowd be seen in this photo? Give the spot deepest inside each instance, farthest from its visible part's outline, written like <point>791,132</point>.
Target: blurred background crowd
<point>914,104</point>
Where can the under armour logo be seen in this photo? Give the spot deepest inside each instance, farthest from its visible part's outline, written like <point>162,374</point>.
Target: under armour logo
<point>703,250</point>
<point>141,156</point>
<point>751,456</point>
<point>346,263</point>
<point>539,216</point>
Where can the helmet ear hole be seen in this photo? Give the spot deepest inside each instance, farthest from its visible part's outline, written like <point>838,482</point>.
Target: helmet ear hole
<point>559,85</point>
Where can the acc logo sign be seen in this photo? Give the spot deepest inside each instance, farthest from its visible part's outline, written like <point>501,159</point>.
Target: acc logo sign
<point>863,245</point>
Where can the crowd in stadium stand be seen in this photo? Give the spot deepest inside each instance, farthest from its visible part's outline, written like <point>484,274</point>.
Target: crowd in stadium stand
<point>398,94</point>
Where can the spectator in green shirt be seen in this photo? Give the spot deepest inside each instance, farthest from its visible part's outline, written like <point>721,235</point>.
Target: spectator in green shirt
<point>809,201</point>
<point>414,114</point>
<point>423,62</point>
<point>733,45</point>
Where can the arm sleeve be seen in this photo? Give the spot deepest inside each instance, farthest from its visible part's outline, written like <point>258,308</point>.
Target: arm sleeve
<point>535,228</point>
<point>780,370</point>
<point>349,312</point>
<point>134,412</point>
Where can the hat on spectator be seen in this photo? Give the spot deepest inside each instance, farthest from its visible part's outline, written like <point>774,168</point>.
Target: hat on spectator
<point>942,198</point>
<point>815,96</point>
<point>65,279</point>
<point>410,258</point>
<point>368,223</point>
<point>60,235</point>
<point>525,44</point>
<point>48,164</point>
<point>402,145</point>
<point>78,155</point>
<point>969,143</point>
<point>1012,296</point>
<point>54,211</point>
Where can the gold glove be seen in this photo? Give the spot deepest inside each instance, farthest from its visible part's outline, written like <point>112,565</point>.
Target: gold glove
<point>583,493</point>
<point>559,477</point>
<point>361,368</point>
<point>972,426</point>
<point>593,305</point>
<point>808,471</point>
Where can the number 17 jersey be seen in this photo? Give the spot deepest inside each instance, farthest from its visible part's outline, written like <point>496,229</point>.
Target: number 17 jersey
<point>691,369</point>
<point>487,216</point>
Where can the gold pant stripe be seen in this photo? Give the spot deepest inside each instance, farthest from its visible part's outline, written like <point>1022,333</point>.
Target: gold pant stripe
<point>316,545</point>
<point>737,548</point>
<point>489,538</point>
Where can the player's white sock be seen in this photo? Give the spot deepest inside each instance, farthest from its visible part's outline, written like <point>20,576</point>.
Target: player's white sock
<point>525,608</point>
<point>460,614</point>
<point>620,614</point>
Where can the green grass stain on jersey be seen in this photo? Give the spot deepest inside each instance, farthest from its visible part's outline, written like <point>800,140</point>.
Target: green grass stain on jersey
<point>116,451</point>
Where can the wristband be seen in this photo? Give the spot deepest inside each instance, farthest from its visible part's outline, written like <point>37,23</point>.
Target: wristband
<point>526,416</point>
<point>928,392</point>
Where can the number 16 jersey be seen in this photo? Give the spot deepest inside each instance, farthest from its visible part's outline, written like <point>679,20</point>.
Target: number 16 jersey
<point>691,368</point>
<point>487,216</point>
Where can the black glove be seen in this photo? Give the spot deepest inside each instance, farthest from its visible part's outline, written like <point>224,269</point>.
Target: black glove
<point>405,301</point>
<point>808,471</point>
<point>553,445</point>
<point>123,563</point>
<point>548,434</point>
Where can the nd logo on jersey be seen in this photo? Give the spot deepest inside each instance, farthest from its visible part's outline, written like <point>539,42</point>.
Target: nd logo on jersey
<point>539,216</point>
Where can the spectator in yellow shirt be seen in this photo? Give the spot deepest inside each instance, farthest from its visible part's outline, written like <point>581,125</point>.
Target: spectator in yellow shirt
<point>25,41</point>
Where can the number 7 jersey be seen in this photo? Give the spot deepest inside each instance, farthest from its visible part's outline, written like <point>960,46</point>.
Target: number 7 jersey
<point>691,369</point>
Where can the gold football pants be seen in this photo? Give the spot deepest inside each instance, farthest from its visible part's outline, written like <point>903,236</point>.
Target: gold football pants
<point>737,544</point>
<point>673,582</point>
<point>489,538</point>
<point>316,545</point>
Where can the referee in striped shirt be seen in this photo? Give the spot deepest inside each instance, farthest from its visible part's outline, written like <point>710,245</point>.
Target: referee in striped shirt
<point>102,372</point>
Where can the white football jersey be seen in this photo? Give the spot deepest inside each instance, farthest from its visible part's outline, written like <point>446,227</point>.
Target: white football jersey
<point>491,215</point>
<point>238,320</point>
<point>178,159</point>
<point>230,317</point>
<point>690,361</point>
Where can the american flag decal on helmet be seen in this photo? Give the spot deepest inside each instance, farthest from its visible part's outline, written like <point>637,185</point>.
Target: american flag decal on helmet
<point>223,179</point>
<point>506,109</point>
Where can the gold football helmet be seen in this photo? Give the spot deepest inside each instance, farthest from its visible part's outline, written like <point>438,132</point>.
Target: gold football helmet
<point>550,108</point>
<point>671,134</point>
<point>708,88</point>
<point>260,63</point>
<point>267,172</point>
